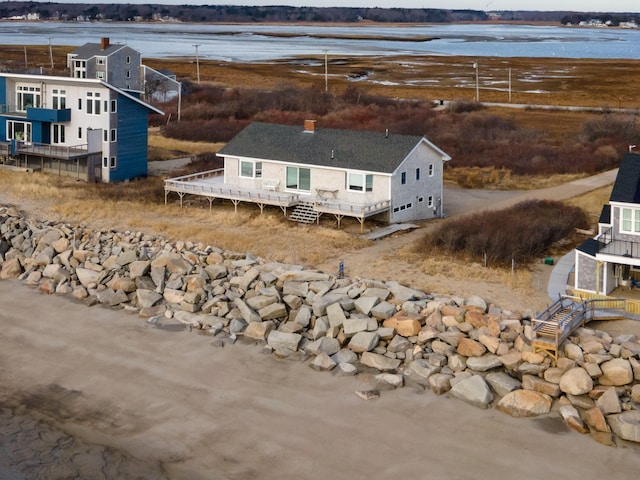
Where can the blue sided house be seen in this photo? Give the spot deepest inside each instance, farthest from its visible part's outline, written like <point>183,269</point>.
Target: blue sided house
<point>82,127</point>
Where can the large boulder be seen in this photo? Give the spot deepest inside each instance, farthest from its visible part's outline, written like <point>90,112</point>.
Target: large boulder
<point>626,425</point>
<point>281,340</point>
<point>364,341</point>
<point>616,372</point>
<point>380,362</point>
<point>576,381</point>
<point>473,390</point>
<point>525,403</point>
<point>502,383</point>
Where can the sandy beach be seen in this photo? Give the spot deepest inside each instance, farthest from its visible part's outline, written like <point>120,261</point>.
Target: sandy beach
<point>164,402</point>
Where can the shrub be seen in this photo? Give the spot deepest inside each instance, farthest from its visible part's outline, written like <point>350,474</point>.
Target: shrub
<point>523,232</point>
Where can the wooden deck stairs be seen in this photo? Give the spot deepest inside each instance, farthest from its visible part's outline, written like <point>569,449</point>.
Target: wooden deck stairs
<point>304,213</point>
<point>555,324</point>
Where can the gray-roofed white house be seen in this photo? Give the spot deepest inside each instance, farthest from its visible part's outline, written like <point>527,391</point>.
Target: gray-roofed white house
<point>397,178</point>
<point>118,65</point>
<point>612,258</point>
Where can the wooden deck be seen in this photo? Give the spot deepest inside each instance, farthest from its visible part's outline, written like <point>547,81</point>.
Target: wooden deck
<point>210,184</point>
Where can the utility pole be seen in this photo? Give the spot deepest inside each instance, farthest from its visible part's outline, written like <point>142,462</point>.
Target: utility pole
<point>475,65</point>
<point>197,63</point>
<point>50,53</point>
<point>326,77</point>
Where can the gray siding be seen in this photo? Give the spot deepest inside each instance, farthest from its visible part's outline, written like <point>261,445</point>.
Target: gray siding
<point>410,201</point>
<point>585,278</point>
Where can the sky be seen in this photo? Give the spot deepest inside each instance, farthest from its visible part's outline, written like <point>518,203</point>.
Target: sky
<point>489,5</point>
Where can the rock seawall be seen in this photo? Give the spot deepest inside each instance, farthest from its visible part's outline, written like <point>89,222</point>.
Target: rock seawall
<point>396,335</point>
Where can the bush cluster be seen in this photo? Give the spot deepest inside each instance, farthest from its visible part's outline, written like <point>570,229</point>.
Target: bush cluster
<point>523,232</point>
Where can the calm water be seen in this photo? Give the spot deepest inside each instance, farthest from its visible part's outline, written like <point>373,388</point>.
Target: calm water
<point>249,43</point>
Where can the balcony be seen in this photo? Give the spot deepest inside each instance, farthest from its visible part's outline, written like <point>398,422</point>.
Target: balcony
<point>38,114</point>
<point>48,115</point>
<point>618,248</point>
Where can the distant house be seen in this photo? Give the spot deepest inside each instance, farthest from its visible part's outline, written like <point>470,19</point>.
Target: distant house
<point>73,126</point>
<point>118,65</point>
<point>397,178</point>
<point>612,258</point>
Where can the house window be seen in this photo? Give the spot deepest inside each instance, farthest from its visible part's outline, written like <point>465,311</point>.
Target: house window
<point>79,132</point>
<point>128,74</point>
<point>80,69</point>
<point>114,106</point>
<point>58,133</point>
<point>417,174</point>
<point>100,60</point>
<point>430,201</point>
<point>58,99</point>
<point>247,169</point>
<point>93,103</point>
<point>420,199</point>
<point>105,162</point>
<point>359,182</point>
<point>114,135</point>
<point>403,178</point>
<point>27,97</point>
<point>105,135</point>
<point>105,106</point>
<point>128,59</point>
<point>630,220</point>
<point>112,162</point>
<point>20,131</point>
<point>299,178</point>
<point>79,104</point>
<point>431,169</point>
<point>100,75</point>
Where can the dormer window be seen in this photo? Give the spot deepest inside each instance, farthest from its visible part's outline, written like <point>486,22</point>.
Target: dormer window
<point>100,60</point>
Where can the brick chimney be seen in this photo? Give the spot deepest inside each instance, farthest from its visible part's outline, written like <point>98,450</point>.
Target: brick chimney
<point>104,43</point>
<point>310,126</point>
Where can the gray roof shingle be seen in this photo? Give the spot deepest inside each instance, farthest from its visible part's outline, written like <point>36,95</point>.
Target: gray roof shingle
<point>90,50</point>
<point>590,246</point>
<point>626,188</point>
<point>357,150</point>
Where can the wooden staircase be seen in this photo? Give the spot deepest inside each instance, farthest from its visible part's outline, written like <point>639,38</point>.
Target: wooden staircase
<point>304,213</point>
<point>554,325</point>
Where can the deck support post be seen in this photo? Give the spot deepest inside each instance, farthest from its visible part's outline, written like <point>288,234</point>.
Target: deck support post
<point>261,205</point>
<point>235,205</point>
<point>211,199</point>
<point>361,219</point>
<point>339,218</point>
<point>181,194</point>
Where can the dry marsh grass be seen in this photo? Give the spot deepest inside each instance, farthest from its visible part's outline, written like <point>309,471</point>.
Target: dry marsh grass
<point>139,206</point>
<point>503,179</point>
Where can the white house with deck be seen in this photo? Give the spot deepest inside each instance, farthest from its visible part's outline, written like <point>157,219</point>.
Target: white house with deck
<point>398,178</point>
<point>612,258</point>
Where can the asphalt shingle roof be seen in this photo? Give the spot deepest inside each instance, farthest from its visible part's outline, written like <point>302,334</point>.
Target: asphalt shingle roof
<point>357,150</point>
<point>590,246</point>
<point>605,215</point>
<point>626,188</point>
<point>89,50</point>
